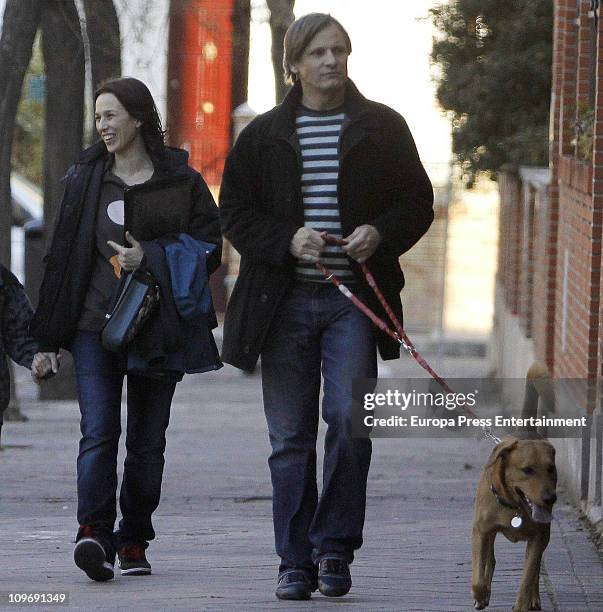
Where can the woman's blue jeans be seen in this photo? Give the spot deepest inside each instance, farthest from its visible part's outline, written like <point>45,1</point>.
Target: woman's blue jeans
<point>99,377</point>
<point>316,330</point>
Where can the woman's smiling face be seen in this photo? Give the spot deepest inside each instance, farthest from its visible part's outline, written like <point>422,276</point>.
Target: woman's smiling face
<point>117,128</point>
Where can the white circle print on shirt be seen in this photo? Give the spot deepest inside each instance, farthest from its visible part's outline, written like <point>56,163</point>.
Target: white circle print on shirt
<point>115,212</point>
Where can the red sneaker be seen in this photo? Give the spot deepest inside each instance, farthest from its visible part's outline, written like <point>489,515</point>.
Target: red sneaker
<point>90,555</point>
<point>133,561</point>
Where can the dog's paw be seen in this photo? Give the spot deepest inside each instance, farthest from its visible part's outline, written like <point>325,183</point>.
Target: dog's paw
<point>532,603</point>
<point>535,603</point>
<point>481,596</point>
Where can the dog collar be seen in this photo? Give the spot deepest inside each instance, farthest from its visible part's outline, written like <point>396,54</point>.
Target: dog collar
<point>501,500</point>
<point>516,521</point>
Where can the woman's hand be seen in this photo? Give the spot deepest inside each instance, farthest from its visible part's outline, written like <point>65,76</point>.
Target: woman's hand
<point>44,365</point>
<point>128,258</point>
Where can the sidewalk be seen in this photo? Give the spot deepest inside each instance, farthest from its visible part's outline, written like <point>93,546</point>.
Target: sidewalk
<point>214,549</point>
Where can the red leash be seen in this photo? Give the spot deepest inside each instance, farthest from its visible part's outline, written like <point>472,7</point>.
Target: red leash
<point>399,335</point>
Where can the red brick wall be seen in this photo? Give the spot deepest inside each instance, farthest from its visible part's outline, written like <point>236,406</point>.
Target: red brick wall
<point>550,254</point>
<point>574,357</point>
<point>510,238</point>
<point>596,334</point>
<point>543,308</point>
<point>579,232</point>
<point>567,47</point>
<point>583,67</point>
<point>547,217</point>
<point>525,254</point>
<point>526,258</point>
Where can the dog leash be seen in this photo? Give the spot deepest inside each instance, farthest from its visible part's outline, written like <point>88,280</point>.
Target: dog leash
<point>399,335</point>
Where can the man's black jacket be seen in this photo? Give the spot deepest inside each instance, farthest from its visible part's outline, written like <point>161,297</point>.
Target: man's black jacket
<point>381,182</point>
<point>70,260</point>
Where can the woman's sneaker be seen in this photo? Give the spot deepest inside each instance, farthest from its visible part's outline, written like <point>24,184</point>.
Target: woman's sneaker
<point>90,556</point>
<point>133,561</point>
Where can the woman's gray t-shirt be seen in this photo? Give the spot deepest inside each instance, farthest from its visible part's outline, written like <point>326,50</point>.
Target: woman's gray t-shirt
<point>106,272</point>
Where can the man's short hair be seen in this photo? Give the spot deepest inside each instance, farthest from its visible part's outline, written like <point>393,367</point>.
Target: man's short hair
<point>301,33</point>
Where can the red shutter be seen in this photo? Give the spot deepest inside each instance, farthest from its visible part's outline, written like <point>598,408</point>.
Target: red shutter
<point>199,83</point>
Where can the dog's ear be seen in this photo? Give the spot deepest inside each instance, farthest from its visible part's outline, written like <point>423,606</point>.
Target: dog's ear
<point>497,463</point>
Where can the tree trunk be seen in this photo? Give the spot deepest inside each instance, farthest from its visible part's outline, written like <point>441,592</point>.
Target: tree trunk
<point>240,51</point>
<point>19,28</point>
<point>281,17</point>
<point>103,39</point>
<point>63,50</point>
<point>102,26</point>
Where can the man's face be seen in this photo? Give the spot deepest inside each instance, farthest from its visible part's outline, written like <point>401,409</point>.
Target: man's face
<point>323,66</point>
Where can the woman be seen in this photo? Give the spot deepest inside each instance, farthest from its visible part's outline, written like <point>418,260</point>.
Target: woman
<point>84,264</point>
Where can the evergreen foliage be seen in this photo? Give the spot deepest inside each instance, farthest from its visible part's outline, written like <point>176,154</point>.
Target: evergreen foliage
<point>493,67</point>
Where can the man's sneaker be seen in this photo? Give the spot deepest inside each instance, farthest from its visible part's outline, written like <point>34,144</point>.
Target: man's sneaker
<point>90,555</point>
<point>133,561</point>
<point>334,578</point>
<point>294,584</point>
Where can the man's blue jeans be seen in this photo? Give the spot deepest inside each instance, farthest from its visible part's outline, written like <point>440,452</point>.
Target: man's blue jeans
<point>316,328</point>
<point>99,377</point>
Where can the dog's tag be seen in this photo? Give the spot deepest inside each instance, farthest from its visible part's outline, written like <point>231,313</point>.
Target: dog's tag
<point>516,522</point>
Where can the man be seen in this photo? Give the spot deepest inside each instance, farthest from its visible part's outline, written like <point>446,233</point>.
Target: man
<point>325,161</point>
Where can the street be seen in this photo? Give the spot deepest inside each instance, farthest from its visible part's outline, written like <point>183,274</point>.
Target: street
<point>214,548</point>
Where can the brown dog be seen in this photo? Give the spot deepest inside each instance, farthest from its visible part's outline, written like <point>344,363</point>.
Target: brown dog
<point>515,496</point>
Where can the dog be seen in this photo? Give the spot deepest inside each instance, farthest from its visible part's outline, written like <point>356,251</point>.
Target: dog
<point>515,497</point>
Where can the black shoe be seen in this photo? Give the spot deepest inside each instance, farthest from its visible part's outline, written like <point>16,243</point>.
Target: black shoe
<point>133,561</point>
<point>334,578</point>
<point>89,555</point>
<point>294,584</point>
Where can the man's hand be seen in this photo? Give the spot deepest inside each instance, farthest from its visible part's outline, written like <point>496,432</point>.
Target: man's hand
<point>43,365</point>
<point>362,242</point>
<point>307,245</point>
<point>128,258</point>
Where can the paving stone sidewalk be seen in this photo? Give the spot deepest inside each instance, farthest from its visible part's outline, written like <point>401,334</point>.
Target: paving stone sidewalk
<point>214,549</point>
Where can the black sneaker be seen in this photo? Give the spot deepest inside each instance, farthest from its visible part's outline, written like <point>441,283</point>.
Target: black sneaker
<point>334,578</point>
<point>90,556</point>
<point>133,561</point>
<point>294,584</point>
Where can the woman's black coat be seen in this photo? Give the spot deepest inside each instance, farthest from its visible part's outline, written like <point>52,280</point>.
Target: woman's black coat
<point>70,261</point>
<point>381,182</point>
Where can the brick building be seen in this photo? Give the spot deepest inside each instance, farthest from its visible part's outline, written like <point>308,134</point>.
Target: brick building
<point>548,286</point>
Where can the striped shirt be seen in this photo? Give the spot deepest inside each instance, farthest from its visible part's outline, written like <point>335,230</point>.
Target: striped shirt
<point>318,134</point>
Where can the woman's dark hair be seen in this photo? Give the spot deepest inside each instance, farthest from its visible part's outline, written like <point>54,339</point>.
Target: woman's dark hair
<point>136,98</point>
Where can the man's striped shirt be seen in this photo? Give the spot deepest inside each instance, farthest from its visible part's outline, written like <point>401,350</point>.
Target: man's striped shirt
<point>318,133</point>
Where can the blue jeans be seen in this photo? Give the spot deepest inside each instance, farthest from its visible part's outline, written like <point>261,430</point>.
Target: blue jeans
<point>316,328</point>
<point>99,377</point>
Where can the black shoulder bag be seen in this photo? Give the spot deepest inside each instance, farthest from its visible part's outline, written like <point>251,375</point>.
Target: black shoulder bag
<point>138,298</point>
